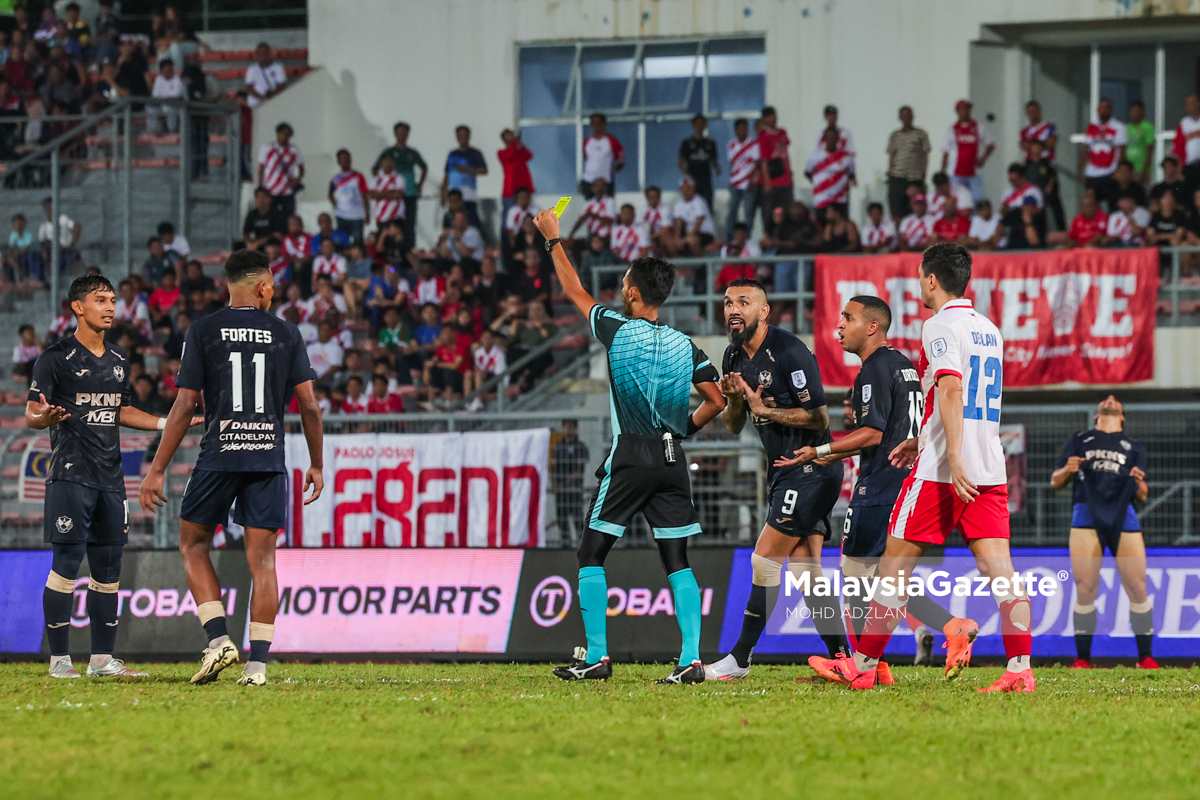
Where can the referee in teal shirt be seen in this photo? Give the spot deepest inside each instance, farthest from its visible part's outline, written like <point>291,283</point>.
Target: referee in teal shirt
<point>652,369</point>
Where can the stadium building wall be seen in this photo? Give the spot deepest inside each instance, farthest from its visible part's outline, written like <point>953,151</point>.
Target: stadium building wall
<point>445,63</point>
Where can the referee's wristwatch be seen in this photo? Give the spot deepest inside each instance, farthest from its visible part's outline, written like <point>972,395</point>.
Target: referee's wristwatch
<point>551,242</point>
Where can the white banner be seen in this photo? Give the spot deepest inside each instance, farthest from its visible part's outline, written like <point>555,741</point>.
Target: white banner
<point>423,490</point>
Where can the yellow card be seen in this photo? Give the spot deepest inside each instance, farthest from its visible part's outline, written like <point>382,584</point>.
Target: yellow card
<point>561,206</point>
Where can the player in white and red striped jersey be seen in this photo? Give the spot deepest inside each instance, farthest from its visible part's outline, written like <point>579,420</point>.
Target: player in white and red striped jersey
<point>830,169</point>
<point>329,262</point>
<point>603,155</point>
<point>878,233</point>
<point>917,228</point>
<point>281,168</point>
<point>629,240</point>
<point>297,245</point>
<point>1038,130</point>
<point>599,213</point>
<point>959,481</point>
<point>1019,189</point>
<point>1105,140</point>
<point>387,191</point>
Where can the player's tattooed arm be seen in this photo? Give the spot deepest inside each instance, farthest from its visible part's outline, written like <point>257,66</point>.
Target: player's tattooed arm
<point>734,415</point>
<point>41,415</point>
<point>813,418</point>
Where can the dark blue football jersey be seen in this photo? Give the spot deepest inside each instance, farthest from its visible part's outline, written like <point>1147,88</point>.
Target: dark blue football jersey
<point>246,362</point>
<point>887,397</point>
<point>1103,481</point>
<point>787,371</point>
<point>86,447</point>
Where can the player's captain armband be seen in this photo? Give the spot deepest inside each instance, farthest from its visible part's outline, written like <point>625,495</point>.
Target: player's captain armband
<point>561,206</point>
<point>937,348</point>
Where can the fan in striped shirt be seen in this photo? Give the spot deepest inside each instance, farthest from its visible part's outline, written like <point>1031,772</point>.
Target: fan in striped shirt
<point>629,239</point>
<point>743,154</point>
<point>1019,189</point>
<point>656,218</point>
<point>1127,225</point>
<point>830,169</point>
<point>878,233</point>
<point>387,190</point>
<point>281,169</point>
<point>916,230</point>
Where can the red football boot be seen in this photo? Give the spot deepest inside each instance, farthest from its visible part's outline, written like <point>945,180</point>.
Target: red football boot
<point>1013,682</point>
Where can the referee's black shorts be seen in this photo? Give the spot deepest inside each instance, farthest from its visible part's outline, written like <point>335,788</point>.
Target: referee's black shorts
<point>637,478</point>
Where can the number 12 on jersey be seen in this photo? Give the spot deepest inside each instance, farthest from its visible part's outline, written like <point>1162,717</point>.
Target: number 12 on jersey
<point>259,363</point>
<point>993,370</point>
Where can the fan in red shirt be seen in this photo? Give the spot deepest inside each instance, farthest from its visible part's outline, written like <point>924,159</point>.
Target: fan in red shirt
<point>952,226</point>
<point>162,299</point>
<point>514,158</point>
<point>776,166</point>
<point>1088,229</point>
<point>381,400</point>
<point>356,398</point>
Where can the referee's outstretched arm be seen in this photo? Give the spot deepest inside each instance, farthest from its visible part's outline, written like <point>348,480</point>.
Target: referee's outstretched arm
<point>547,223</point>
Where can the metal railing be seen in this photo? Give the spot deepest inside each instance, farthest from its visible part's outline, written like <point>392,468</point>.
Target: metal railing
<point>694,307</point>
<point>196,186</point>
<point>729,475</point>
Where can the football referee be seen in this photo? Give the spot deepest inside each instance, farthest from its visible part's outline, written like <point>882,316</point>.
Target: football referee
<point>652,369</point>
<point>1108,469</point>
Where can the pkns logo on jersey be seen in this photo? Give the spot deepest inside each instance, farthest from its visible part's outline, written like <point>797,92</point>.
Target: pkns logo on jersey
<point>105,405</point>
<point>551,600</point>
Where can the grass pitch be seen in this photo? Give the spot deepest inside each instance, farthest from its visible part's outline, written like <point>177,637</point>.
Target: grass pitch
<point>454,731</point>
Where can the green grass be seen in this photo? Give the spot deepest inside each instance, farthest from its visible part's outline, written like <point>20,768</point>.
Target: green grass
<point>452,731</point>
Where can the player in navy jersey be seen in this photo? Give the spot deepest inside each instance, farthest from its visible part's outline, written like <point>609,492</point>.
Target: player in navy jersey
<point>771,377</point>
<point>887,408</point>
<point>246,363</point>
<point>652,369</point>
<point>1108,470</point>
<point>80,391</point>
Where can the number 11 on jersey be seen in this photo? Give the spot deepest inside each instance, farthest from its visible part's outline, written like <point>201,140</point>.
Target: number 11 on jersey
<point>259,362</point>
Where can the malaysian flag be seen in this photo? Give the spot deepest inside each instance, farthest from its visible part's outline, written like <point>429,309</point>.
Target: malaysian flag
<point>35,464</point>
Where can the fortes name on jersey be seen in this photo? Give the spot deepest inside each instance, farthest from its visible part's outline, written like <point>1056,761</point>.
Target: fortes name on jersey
<point>256,335</point>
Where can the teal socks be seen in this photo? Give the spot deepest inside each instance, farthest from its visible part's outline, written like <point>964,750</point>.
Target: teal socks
<point>593,605</point>
<point>687,612</point>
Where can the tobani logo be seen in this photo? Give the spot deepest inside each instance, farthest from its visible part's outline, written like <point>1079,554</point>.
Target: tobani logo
<point>550,602</point>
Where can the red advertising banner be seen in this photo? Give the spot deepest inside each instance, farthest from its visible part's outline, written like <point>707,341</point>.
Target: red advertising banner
<point>1081,315</point>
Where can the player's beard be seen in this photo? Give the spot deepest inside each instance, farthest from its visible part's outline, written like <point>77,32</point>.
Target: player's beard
<point>739,336</point>
<point>1110,412</point>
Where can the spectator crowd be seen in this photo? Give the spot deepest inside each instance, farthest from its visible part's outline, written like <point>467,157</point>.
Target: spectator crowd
<point>395,326</point>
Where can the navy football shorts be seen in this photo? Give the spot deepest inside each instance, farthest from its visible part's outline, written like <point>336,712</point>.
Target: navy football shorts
<point>865,533</point>
<point>800,504</point>
<point>78,514</point>
<point>1081,517</point>
<point>261,499</point>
